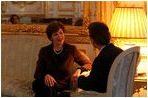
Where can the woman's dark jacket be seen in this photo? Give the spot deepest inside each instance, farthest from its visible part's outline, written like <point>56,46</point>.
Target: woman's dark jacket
<point>59,65</point>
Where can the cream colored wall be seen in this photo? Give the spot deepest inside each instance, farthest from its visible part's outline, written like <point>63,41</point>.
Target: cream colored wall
<point>87,49</point>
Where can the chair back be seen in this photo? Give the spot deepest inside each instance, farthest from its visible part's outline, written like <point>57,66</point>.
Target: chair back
<point>122,72</point>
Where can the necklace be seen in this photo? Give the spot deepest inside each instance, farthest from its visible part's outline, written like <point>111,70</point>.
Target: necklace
<point>57,52</point>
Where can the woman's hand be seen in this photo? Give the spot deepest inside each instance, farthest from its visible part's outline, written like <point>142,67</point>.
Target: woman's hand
<point>49,80</point>
<point>75,76</point>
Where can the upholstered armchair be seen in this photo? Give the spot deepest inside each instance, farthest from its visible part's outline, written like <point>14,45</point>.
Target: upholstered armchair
<point>121,76</point>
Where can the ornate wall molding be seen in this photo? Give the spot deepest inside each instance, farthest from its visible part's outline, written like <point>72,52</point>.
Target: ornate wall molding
<point>73,34</point>
<point>23,8</point>
<point>66,6</point>
<point>47,9</point>
<point>77,30</point>
<point>22,4</point>
<point>87,13</point>
<point>3,6</point>
<point>98,10</point>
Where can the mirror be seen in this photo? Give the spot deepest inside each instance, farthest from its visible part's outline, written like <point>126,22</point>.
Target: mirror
<point>43,12</point>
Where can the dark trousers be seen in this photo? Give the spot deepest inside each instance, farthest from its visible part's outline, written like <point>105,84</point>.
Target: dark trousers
<point>41,90</point>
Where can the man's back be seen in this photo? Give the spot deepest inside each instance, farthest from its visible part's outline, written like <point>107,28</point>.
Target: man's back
<point>97,80</point>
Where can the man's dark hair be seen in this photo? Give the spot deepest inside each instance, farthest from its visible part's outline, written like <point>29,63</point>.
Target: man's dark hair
<point>53,27</point>
<point>11,17</point>
<point>99,32</point>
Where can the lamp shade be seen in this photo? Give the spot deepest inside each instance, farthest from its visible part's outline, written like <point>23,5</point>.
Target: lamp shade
<point>129,23</point>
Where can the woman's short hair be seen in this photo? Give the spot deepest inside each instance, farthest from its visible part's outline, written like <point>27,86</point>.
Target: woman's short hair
<point>11,17</point>
<point>53,27</point>
<point>99,32</point>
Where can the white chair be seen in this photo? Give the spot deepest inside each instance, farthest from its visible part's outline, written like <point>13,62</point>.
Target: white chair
<point>121,76</point>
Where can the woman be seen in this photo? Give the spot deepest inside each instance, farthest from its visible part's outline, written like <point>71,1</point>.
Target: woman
<point>53,71</point>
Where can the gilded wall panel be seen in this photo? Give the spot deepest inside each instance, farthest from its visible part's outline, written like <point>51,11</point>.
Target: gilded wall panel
<point>70,9</point>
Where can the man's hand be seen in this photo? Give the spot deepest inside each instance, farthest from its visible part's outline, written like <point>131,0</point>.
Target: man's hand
<point>49,80</point>
<point>75,76</point>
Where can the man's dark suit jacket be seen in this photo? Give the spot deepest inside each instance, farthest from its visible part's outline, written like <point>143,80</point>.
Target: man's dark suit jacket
<point>97,80</point>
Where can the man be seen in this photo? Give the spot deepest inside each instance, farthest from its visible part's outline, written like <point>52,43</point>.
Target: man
<point>100,38</point>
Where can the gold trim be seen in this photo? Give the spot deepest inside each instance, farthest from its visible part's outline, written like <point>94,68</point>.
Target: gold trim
<point>86,15</point>
<point>97,12</point>
<point>73,34</point>
<point>78,30</point>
